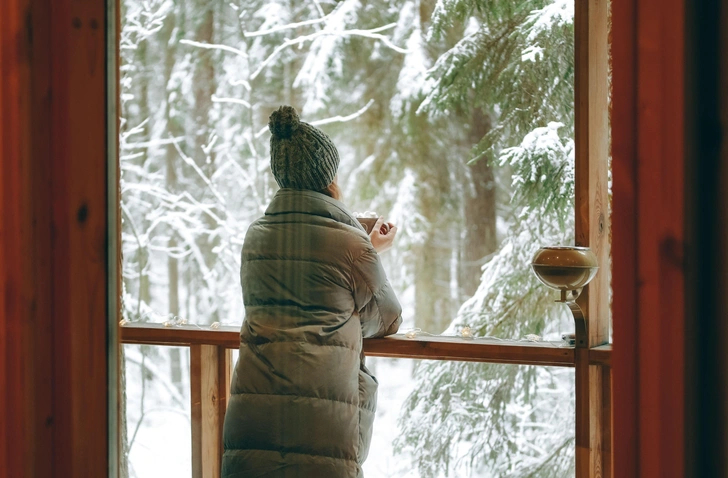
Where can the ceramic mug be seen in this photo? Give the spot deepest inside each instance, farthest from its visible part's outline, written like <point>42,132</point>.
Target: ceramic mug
<point>368,223</point>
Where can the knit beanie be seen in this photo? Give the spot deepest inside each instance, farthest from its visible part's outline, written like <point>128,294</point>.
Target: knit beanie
<point>301,156</point>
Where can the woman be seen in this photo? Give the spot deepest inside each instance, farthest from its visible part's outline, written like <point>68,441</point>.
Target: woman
<point>302,402</point>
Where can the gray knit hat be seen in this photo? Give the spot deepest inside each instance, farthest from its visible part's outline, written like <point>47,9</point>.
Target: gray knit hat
<point>301,156</point>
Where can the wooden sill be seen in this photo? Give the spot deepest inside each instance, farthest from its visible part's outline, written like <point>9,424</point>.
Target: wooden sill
<point>395,346</point>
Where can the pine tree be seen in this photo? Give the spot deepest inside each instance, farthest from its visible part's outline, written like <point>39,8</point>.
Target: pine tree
<point>505,414</point>
<point>460,116</point>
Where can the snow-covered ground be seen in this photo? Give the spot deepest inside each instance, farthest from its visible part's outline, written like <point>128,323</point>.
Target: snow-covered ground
<point>395,384</point>
<point>158,416</point>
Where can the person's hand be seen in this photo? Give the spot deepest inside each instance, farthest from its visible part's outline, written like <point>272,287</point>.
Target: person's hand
<point>382,242</point>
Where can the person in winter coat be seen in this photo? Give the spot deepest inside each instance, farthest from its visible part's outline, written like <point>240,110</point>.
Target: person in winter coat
<point>303,402</point>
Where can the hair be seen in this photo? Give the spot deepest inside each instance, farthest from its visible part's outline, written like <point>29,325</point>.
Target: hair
<point>332,190</point>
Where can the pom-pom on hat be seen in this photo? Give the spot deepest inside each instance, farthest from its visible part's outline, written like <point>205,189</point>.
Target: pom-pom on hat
<point>301,155</point>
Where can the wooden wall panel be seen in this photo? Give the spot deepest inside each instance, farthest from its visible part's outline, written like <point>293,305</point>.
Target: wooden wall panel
<point>648,238</point>
<point>53,375</point>
<point>624,238</point>
<point>27,294</point>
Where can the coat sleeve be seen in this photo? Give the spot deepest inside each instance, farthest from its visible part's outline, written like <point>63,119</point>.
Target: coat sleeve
<point>379,309</point>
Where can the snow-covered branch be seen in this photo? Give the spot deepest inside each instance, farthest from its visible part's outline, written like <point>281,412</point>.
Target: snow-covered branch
<point>237,101</point>
<point>371,33</point>
<point>343,119</point>
<point>329,120</point>
<point>289,26</point>
<point>152,143</point>
<point>215,46</point>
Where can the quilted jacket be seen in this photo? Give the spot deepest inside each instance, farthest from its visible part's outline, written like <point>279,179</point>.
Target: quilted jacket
<point>303,402</point>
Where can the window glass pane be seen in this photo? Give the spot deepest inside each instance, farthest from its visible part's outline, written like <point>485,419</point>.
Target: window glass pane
<point>157,414</point>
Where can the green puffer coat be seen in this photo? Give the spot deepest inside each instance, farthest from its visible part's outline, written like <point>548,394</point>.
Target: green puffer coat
<point>302,402</point>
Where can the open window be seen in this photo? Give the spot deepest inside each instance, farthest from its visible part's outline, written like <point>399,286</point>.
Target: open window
<point>480,131</point>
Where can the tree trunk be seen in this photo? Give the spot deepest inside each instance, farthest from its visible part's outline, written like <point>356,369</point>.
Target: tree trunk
<point>203,84</point>
<point>425,290</point>
<point>480,213</point>
<point>203,87</point>
<point>434,304</point>
<point>171,186</point>
<point>174,352</point>
<point>145,294</point>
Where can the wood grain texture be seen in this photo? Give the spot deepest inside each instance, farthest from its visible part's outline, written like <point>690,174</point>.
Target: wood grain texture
<point>648,158</point>
<point>624,238</point>
<point>157,334</point>
<point>446,348</point>
<point>206,369</point>
<point>396,346</point>
<point>13,118</point>
<point>225,375</point>
<point>608,427</point>
<point>601,355</point>
<point>582,432</point>
<point>592,151</point>
<point>53,241</point>
<point>79,159</point>
<point>592,221</point>
<point>26,241</point>
<point>662,222</point>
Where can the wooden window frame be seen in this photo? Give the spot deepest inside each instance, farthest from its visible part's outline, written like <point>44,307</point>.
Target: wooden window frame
<point>57,276</point>
<point>58,313</point>
<point>55,106</point>
<point>210,349</point>
<point>650,156</point>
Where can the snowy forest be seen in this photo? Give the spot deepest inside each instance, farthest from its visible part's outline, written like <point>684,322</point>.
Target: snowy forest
<point>453,118</point>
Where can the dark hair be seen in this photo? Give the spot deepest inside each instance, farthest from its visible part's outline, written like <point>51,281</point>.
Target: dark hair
<point>332,190</point>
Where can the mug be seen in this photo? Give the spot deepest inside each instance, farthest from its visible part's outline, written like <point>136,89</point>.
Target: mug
<point>368,223</point>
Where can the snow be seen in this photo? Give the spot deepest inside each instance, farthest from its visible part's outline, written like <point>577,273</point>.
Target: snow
<point>162,445</point>
<point>434,419</point>
<point>559,12</point>
<point>315,75</point>
<point>395,384</point>
<point>413,77</point>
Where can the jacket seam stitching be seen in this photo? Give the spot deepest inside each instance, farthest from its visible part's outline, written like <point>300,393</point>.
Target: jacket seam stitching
<point>329,201</point>
<point>304,396</point>
<point>296,259</point>
<point>284,452</point>
<point>303,342</point>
